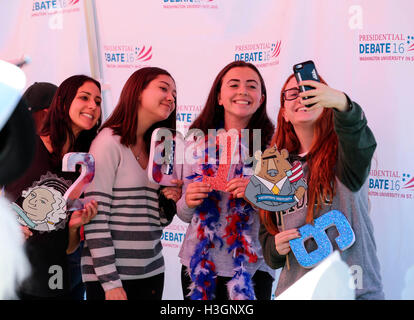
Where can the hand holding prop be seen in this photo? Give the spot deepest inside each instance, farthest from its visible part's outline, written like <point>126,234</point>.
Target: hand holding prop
<point>69,162</point>
<point>317,231</point>
<point>165,159</point>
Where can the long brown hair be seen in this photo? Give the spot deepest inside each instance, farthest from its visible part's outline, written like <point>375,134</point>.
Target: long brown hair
<point>124,119</point>
<point>58,125</point>
<point>212,116</point>
<point>321,159</point>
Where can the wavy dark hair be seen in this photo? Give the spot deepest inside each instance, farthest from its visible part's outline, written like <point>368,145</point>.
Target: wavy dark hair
<point>124,119</point>
<point>212,116</point>
<point>321,158</point>
<point>58,125</point>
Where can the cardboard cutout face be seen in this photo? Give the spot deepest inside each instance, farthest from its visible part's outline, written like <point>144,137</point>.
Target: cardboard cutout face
<point>39,203</point>
<point>43,206</point>
<point>274,165</point>
<point>277,185</point>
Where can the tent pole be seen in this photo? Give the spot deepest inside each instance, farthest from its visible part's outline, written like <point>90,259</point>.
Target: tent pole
<point>95,56</point>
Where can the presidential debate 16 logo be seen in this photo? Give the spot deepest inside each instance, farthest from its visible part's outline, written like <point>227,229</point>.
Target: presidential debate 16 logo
<point>386,47</point>
<point>263,54</point>
<point>40,8</point>
<point>391,184</point>
<point>127,56</point>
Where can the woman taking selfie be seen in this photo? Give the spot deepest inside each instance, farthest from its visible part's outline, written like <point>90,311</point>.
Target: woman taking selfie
<point>334,144</point>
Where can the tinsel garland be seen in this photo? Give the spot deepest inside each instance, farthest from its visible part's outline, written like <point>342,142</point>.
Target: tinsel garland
<point>202,268</point>
<point>240,287</point>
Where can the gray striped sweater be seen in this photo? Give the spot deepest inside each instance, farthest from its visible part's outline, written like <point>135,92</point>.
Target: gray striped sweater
<point>123,240</point>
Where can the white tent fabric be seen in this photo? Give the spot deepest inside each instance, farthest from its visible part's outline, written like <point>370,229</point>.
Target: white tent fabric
<point>322,282</point>
<point>362,47</point>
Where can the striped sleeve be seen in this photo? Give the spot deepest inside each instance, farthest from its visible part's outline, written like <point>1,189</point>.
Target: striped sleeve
<point>98,237</point>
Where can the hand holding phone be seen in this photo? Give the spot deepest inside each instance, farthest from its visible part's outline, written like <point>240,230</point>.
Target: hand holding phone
<point>306,71</point>
<point>326,96</point>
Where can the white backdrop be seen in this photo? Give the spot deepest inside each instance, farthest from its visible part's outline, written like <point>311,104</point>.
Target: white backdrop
<point>362,47</point>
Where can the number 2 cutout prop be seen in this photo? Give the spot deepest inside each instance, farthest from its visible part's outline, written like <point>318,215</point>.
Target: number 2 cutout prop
<point>69,162</point>
<point>345,239</point>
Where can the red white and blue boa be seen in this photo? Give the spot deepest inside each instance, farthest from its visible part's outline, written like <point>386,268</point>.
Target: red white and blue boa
<point>202,268</point>
<point>240,287</point>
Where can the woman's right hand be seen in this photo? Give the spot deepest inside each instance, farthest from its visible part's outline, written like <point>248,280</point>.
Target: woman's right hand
<point>196,192</point>
<point>26,232</point>
<point>282,240</point>
<point>116,294</point>
<point>173,193</point>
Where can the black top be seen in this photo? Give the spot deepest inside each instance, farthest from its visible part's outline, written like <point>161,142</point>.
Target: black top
<point>46,250</point>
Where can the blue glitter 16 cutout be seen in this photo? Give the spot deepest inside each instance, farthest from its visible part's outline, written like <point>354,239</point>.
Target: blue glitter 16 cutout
<point>345,239</point>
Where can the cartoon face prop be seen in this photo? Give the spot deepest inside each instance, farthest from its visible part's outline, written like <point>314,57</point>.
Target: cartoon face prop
<point>43,206</point>
<point>274,165</point>
<point>39,203</point>
<point>277,185</point>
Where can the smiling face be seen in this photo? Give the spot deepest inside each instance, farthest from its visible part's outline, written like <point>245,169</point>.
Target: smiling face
<point>240,94</point>
<point>157,100</point>
<point>85,109</point>
<point>38,204</point>
<point>274,165</point>
<point>297,113</point>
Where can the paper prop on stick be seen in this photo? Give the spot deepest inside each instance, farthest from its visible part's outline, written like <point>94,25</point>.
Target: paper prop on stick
<point>228,149</point>
<point>69,162</point>
<point>43,206</point>
<point>276,184</point>
<point>317,231</point>
<point>166,156</point>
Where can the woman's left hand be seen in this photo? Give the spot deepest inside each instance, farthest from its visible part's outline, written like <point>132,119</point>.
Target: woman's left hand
<point>83,216</point>
<point>173,193</point>
<point>237,186</point>
<point>323,96</point>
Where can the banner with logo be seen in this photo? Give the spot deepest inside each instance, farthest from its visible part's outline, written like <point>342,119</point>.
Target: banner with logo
<point>354,48</point>
<point>50,36</point>
<point>363,48</point>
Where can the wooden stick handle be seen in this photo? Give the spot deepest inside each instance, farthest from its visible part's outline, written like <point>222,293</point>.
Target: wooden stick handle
<point>283,229</point>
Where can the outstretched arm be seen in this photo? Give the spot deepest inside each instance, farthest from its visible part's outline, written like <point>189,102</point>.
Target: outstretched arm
<point>356,140</point>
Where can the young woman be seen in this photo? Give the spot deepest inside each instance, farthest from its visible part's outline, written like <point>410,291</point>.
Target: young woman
<point>335,146</point>
<point>71,124</point>
<point>221,258</point>
<point>122,257</point>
